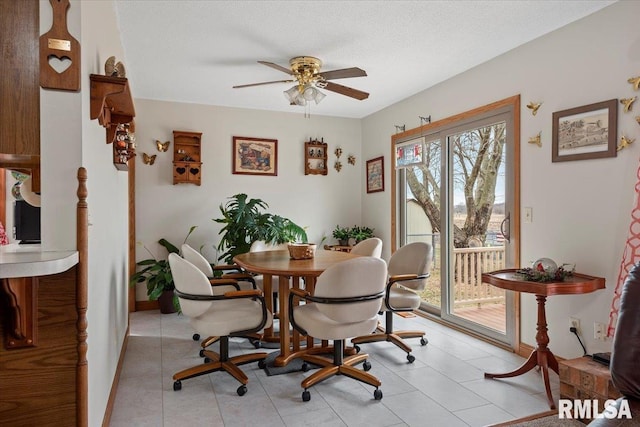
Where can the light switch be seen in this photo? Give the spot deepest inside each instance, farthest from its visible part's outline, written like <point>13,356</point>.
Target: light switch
<point>528,215</point>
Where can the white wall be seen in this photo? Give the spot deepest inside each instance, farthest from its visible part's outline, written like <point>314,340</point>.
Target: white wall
<point>581,209</point>
<point>69,139</point>
<point>108,216</point>
<point>314,201</point>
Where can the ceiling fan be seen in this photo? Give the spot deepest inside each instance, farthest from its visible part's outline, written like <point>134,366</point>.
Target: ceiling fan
<point>306,73</point>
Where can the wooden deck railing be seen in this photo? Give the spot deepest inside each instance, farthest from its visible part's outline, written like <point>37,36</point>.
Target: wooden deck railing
<point>469,264</point>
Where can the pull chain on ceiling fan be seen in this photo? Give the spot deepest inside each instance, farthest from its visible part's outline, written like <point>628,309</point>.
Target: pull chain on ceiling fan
<point>306,73</point>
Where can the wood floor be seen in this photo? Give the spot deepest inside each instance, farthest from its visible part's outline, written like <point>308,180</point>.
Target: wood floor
<point>490,315</point>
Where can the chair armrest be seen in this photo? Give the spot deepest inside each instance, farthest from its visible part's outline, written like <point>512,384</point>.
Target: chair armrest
<point>226,267</point>
<point>241,277</point>
<point>243,294</point>
<point>298,292</point>
<point>401,278</point>
<point>225,282</point>
<point>405,277</point>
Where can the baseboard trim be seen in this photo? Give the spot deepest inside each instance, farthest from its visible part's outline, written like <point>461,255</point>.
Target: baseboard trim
<point>525,350</point>
<point>450,325</point>
<point>116,379</point>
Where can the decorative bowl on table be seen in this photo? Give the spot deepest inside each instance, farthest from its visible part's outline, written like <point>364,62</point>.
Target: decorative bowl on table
<point>302,250</point>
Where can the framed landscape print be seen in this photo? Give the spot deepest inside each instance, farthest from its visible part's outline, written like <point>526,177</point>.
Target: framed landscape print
<point>255,156</point>
<point>587,132</point>
<point>375,175</point>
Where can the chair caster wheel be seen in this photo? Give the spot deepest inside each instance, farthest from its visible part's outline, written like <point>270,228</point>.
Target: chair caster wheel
<point>411,358</point>
<point>304,368</point>
<point>201,353</point>
<point>423,341</point>
<point>366,365</point>
<point>256,343</point>
<point>207,360</point>
<point>356,348</point>
<point>262,364</point>
<point>377,394</point>
<point>306,396</point>
<point>177,386</point>
<point>242,390</point>
<point>196,337</point>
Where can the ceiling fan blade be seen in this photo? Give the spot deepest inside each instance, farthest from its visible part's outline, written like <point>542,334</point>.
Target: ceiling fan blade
<point>344,73</point>
<point>263,83</point>
<point>276,66</point>
<point>347,91</point>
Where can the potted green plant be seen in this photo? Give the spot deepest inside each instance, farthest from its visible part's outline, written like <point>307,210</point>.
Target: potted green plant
<point>342,234</point>
<point>156,273</point>
<point>245,222</point>
<point>361,233</point>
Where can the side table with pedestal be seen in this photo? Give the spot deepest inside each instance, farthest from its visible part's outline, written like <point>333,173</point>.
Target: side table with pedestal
<point>541,356</point>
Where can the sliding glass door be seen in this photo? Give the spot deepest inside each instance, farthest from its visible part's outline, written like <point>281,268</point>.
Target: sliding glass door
<point>460,198</point>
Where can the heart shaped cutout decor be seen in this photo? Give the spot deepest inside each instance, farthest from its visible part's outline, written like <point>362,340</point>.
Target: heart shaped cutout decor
<point>60,65</point>
<point>194,171</point>
<point>181,171</point>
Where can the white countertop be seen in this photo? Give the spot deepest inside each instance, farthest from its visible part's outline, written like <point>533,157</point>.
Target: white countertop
<point>31,260</point>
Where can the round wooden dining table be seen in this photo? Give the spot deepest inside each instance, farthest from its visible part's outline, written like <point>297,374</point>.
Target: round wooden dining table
<point>289,271</point>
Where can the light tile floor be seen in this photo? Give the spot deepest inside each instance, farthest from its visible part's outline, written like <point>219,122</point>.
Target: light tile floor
<point>445,385</point>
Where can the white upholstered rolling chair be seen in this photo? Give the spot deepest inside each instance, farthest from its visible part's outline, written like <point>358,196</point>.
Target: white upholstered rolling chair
<point>368,247</point>
<point>220,286</point>
<point>408,272</point>
<point>345,303</point>
<point>233,313</point>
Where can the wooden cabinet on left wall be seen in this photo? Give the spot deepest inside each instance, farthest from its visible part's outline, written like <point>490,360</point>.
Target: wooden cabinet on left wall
<point>20,121</point>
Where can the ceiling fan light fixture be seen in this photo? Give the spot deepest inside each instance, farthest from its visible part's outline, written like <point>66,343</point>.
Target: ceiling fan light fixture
<point>319,97</point>
<point>309,92</point>
<point>292,94</point>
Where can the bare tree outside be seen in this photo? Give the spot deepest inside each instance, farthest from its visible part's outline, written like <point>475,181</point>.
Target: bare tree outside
<point>477,156</point>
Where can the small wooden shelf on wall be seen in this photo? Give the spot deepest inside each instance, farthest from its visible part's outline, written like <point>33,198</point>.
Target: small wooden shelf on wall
<point>315,157</point>
<point>112,104</point>
<point>187,165</point>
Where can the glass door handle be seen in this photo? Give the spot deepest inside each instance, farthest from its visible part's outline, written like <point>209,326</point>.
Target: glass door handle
<point>505,227</point>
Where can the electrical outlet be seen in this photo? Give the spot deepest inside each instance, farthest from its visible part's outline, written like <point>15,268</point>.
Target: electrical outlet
<point>600,331</point>
<point>575,323</point>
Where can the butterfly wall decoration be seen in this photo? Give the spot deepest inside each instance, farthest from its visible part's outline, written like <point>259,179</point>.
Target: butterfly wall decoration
<point>628,103</point>
<point>162,146</point>
<point>533,106</point>
<point>147,159</point>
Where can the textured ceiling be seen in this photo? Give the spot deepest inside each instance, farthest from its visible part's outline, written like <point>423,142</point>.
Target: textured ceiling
<point>195,51</point>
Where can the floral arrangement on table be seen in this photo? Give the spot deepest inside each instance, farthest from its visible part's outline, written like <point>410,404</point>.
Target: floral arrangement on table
<point>546,270</point>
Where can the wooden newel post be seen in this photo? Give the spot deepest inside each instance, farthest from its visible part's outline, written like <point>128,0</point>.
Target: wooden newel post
<point>82,239</point>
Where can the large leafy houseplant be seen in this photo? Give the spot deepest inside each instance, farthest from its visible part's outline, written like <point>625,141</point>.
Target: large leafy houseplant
<point>245,222</point>
<point>156,273</point>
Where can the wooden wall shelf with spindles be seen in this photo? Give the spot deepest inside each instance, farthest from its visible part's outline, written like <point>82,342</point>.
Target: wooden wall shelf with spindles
<point>315,157</point>
<point>187,165</point>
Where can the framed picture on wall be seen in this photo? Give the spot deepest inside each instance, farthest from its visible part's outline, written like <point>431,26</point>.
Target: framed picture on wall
<point>587,132</point>
<point>255,156</point>
<point>375,175</point>
<point>409,153</point>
